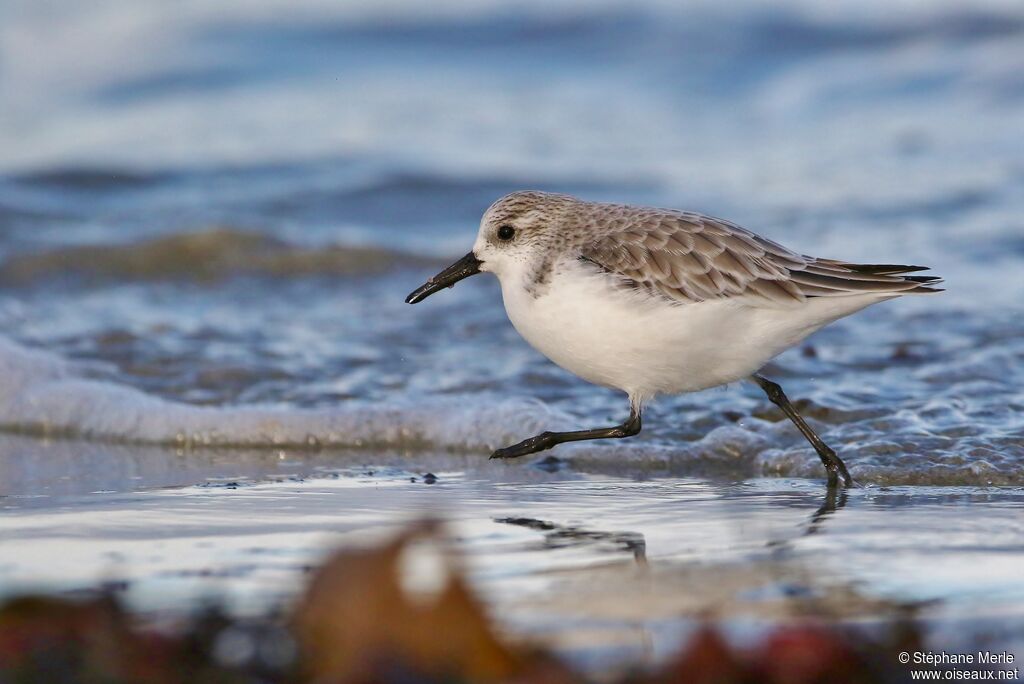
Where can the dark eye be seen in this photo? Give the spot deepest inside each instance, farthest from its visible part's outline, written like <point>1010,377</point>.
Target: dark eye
<point>506,232</point>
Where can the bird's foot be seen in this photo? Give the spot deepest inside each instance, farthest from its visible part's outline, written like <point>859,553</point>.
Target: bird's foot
<point>527,446</point>
<point>852,484</point>
<point>837,472</point>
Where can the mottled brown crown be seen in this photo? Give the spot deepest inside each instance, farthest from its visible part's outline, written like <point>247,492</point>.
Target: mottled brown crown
<point>517,204</point>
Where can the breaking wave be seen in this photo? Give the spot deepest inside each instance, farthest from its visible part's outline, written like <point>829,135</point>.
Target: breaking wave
<point>45,395</point>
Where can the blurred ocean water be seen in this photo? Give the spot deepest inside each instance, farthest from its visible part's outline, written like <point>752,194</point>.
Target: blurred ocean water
<point>210,214</point>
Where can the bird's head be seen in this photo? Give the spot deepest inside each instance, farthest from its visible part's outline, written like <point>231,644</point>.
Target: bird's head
<point>514,232</point>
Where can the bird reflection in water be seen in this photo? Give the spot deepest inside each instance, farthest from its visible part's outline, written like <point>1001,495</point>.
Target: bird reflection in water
<point>564,536</point>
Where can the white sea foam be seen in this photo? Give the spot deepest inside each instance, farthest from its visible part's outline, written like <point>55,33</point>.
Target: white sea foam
<point>42,393</point>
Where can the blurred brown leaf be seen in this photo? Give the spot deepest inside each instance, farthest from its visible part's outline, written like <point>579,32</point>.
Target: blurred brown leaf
<point>357,620</point>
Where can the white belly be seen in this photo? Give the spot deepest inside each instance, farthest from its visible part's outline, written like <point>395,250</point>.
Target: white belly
<point>646,346</point>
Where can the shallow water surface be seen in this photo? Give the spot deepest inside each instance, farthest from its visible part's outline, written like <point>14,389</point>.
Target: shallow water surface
<point>607,569</point>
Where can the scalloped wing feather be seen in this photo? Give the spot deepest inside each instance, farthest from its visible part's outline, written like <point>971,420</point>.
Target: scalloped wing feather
<point>689,257</point>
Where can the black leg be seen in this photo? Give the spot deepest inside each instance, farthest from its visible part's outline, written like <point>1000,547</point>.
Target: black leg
<point>833,464</point>
<point>547,440</point>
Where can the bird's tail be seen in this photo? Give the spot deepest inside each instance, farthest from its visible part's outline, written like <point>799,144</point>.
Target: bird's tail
<point>830,277</point>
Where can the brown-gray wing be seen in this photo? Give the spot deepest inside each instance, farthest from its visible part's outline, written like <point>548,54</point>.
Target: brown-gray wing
<point>688,257</point>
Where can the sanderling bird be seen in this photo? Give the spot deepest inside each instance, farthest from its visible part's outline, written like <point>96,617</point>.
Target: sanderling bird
<point>658,301</point>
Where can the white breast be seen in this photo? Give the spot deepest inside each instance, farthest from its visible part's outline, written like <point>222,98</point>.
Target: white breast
<point>645,345</point>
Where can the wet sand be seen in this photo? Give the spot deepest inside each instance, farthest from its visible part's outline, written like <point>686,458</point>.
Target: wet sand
<point>607,569</point>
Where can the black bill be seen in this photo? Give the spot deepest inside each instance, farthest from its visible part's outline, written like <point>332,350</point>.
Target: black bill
<point>463,268</point>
